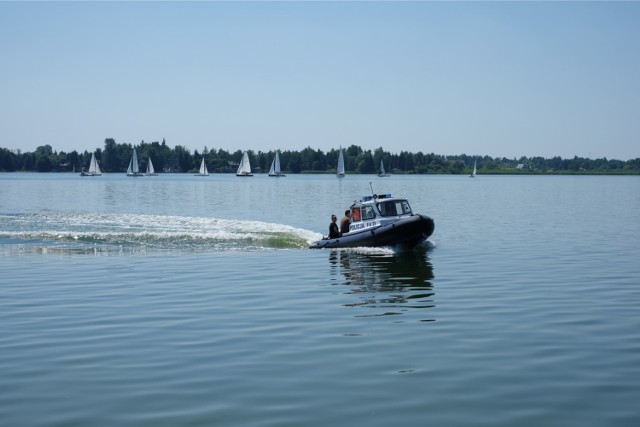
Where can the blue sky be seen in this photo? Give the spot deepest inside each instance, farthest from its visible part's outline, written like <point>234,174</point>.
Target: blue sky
<point>501,78</point>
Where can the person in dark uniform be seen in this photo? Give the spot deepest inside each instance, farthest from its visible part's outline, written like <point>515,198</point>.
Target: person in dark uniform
<point>345,222</point>
<point>334,233</point>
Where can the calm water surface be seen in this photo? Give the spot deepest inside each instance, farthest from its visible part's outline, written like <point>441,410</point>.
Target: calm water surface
<point>180,300</point>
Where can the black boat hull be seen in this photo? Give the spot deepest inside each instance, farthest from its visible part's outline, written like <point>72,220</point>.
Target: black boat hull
<point>406,232</point>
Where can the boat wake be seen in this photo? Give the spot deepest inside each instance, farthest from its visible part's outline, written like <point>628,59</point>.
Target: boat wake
<point>78,232</point>
<point>384,250</point>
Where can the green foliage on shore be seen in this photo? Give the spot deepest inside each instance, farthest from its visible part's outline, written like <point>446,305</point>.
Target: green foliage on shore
<point>114,157</point>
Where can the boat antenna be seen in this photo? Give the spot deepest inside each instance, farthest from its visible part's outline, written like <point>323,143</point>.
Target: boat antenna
<point>371,186</point>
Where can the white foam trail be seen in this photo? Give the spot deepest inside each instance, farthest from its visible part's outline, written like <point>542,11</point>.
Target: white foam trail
<point>152,229</point>
<point>374,251</point>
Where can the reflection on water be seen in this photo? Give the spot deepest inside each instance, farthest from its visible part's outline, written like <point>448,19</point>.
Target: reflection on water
<point>387,283</point>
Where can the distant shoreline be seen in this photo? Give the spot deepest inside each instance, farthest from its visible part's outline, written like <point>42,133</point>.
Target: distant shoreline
<point>115,158</point>
<point>479,174</point>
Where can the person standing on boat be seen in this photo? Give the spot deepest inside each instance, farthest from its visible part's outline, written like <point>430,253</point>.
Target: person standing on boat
<point>334,233</point>
<point>345,222</point>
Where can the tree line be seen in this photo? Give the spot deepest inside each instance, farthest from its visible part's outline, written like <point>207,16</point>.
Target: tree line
<point>115,157</point>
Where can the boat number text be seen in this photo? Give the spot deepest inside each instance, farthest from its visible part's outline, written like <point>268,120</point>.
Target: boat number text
<point>361,225</point>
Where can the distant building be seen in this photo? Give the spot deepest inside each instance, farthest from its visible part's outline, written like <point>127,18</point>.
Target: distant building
<point>232,166</point>
<point>171,166</point>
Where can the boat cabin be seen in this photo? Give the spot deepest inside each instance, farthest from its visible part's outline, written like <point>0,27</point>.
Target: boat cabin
<point>377,210</point>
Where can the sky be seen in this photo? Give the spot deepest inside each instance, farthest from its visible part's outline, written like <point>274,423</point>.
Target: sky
<point>504,79</point>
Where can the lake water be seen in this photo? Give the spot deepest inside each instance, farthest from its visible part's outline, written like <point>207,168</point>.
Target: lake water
<point>180,300</point>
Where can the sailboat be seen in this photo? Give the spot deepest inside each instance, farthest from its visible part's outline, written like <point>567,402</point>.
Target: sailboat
<point>382,173</point>
<point>275,166</point>
<point>133,170</point>
<point>150,170</point>
<point>203,169</point>
<point>245,167</point>
<point>473,174</point>
<point>340,170</point>
<point>94,167</point>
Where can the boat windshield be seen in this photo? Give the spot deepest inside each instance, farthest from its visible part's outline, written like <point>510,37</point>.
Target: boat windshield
<point>394,208</point>
<point>368,212</point>
<point>355,214</point>
<point>362,213</point>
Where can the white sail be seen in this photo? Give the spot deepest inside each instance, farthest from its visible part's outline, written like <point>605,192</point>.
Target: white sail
<point>473,174</point>
<point>340,170</point>
<point>133,170</point>
<point>95,165</point>
<point>94,168</point>
<point>275,166</point>
<point>203,168</point>
<point>382,172</point>
<point>245,167</point>
<point>150,170</point>
<point>92,164</point>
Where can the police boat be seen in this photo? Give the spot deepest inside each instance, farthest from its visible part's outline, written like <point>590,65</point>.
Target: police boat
<point>381,220</point>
